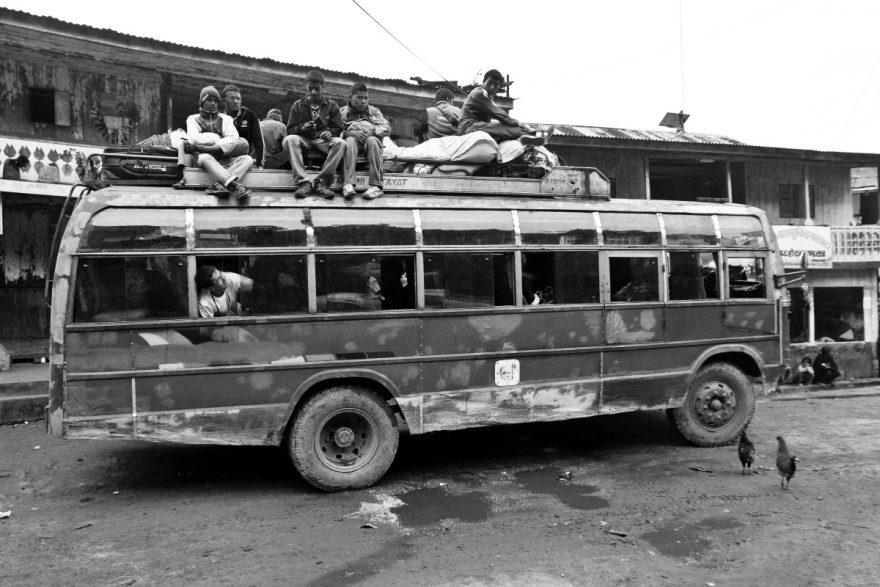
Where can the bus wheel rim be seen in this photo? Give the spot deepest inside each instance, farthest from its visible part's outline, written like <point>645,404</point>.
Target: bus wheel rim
<point>346,440</point>
<point>715,404</point>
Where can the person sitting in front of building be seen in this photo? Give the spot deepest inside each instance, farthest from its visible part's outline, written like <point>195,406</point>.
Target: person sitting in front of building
<point>480,112</point>
<point>441,119</point>
<point>246,122</point>
<point>364,126</point>
<point>216,147</point>
<point>314,124</point>
<point>218,291</point>
<point>824,368</point>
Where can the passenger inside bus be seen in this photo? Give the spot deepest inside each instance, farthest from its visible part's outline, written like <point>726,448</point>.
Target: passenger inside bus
<point>219,291</point>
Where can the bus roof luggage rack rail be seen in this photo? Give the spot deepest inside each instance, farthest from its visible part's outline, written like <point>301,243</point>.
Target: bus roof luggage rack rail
<point>586,182</point>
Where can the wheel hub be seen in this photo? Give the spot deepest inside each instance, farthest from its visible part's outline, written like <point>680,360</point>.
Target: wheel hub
<point>715,404</point>
<point>343,437</point>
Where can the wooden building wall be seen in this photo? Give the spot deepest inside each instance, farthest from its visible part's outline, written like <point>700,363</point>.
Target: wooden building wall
<point>105,104</point>
<point>833,204</point>
<point>627,170</point>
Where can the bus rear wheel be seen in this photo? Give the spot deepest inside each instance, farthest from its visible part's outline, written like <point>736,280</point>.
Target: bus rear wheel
<point>344,437</point>
<point>719,404</point>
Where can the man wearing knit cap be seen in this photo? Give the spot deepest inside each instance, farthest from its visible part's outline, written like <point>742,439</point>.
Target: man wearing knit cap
<point>246,121</point>
<point>214,142</point>
<point>274,131</point>
<point>364,128</point>
<point>314,125</point>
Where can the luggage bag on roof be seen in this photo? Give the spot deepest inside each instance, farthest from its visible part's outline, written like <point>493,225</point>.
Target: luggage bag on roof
<point>140,165</point>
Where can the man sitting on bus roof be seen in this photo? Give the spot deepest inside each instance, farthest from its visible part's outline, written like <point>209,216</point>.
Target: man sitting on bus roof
<point>364,128</point>
<point>314,124</point>
<point>480,112</point>
<point>441,119</point>
<point>246,121</point>
<point>218,291</point>
<point>214,142</point>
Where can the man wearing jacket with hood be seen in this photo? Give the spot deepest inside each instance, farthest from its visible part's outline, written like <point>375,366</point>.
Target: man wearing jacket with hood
<point>246,121</point>
<point>214,142</point>
<point>364,128</point>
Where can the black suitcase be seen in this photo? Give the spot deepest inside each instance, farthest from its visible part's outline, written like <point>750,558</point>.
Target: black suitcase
<point>136,165</point>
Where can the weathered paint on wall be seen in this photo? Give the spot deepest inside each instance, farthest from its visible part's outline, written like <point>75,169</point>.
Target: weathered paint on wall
<point>106,106</point>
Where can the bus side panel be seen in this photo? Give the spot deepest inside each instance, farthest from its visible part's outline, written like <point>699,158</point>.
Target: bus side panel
<point>276,343</point>
<point>760,317</point>
<point>519,331</point>
<point>646,377</point>
<point>243,407</point>
<point>551,387</point>
<point>689,323</point>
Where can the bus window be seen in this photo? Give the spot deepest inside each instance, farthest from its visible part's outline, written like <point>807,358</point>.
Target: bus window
<point>249,227</point>
<point>689,229</point>
<point>692,276</point>
<point>745,277</point>
<point>363,227</point>
<point>557,228</point>
<point>115,289</point>
<point>561,277</point>
<point>741,231</point>
<point>273,284</point>
<point>630,229</point>
<point>363,283</point>
<point>466,280</point>
<point>633,279</point>
<point>140,228</point>
<point>467,227</point>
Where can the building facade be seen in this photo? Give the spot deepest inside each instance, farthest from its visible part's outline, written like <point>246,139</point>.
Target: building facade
<point>809,196</point>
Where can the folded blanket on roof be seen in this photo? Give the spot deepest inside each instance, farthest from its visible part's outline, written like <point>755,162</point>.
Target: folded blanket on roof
<point>473,148</point>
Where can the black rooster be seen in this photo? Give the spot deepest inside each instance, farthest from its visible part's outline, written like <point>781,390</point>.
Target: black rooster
<point>785,462</point>
<point>746,451</point>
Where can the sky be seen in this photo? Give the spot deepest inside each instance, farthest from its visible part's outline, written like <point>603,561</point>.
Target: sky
<point>780,73</point>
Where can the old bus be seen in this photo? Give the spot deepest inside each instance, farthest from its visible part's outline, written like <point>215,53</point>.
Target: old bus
<point>449,303</point>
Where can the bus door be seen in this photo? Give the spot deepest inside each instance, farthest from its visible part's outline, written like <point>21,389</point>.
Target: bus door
<point>635,362</point>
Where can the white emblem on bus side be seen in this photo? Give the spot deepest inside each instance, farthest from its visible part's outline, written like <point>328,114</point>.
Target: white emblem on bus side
<point>507,372</point>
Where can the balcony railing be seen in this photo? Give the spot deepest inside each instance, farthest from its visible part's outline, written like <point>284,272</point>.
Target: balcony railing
<point>855,244</point>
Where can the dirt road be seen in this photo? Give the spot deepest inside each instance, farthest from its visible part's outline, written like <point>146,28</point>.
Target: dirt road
<point>480,507</point>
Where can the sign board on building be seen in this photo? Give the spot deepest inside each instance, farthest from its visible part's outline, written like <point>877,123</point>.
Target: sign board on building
<point>812,243</point>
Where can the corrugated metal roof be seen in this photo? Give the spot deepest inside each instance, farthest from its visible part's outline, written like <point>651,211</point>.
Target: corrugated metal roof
<point>598,132</point>
<point>20,18</point>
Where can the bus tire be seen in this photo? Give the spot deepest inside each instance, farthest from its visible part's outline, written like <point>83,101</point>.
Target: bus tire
<point>719,404</point>
<point>344,437</point>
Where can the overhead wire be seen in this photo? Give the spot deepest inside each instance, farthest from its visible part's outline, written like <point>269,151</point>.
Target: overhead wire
<point>449,84</point>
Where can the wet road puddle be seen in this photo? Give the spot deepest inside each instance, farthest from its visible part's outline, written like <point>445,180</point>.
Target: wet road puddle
<point>688,540</point>
<point>429,505</point>
<point>579,497</point>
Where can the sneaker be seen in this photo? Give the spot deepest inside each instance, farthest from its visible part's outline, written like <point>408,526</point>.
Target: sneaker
<point>239,192</point>
<point>531,140</point>
<point>180,185</point>
<point>373,192</point>
<point>305,189</point>
<point>322,190</point>
<point>348,191</point>
<point>217,189</point>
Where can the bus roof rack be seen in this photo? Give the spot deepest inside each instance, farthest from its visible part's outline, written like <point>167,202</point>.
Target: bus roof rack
<point>584,182</point>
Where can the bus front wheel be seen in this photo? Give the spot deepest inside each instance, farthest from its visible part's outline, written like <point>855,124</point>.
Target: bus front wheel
<point>719,404</point>
<point>344,437</point>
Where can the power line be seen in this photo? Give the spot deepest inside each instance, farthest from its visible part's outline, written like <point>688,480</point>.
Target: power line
<point>402,44</point>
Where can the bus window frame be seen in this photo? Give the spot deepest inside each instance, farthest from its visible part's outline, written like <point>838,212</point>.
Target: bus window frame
<point>605,273</point>
<point>726,255</point>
